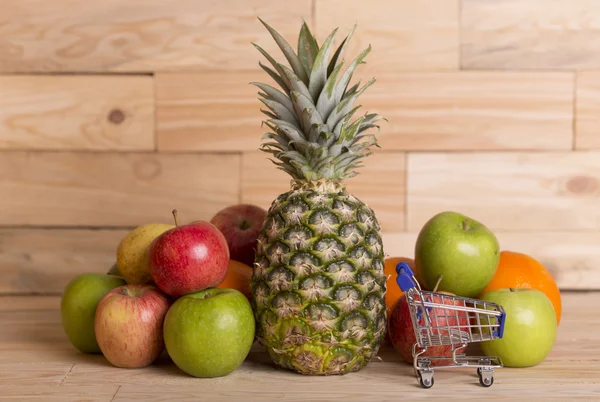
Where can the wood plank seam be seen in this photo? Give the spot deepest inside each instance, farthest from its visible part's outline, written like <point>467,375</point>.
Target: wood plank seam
<point>406,178</point>
<point>150,152</point>
<point>574,113</point>
<point>240,184</point>
<point>155,115</point>
<point>129,227</point>
<point>461,60</point>
<point>459,34</point>
<point>116,392</point>
<point>82,73</point>
<point>69,227</point>
<point>66,375</point>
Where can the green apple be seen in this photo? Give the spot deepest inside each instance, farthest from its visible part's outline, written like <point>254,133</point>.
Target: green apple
<point>529,328</point>
<point>78,308</point>
<point>209,333</point>
<point>464,252</point>
<point>132,252</point>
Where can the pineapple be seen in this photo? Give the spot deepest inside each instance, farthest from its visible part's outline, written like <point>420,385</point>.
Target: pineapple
<point>318,285</point>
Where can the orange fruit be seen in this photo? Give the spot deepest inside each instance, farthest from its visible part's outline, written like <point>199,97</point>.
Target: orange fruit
<point>393,291</point>
<point>238,277</point>
<point>518,270</point>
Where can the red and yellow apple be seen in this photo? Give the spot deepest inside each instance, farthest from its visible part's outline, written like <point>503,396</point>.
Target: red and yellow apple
<point>129,325</point>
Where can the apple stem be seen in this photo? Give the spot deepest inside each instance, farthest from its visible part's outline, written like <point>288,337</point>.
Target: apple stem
<point>438,283</point>
<point>175,216</point>
<point>466,224</point>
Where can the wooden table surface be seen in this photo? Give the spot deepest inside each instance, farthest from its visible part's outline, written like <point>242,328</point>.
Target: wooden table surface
<point>38,363</point>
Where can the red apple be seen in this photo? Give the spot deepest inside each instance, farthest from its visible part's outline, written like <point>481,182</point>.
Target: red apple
<point>188,258</point>
<point>402,333</point>
<point>241,224</point>
<point>129,325</point>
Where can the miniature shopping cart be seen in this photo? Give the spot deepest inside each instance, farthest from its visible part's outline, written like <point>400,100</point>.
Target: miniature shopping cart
<point>440,319</point>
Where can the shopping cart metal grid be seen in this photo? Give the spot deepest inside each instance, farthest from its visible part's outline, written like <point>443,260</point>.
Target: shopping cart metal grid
<point>440,319</point>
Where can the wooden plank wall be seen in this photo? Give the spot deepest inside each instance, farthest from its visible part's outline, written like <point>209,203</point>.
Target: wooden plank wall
<point>114,113</point>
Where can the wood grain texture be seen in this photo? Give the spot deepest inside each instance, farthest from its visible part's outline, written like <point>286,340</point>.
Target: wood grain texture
<point>45,260</point>
<point>76,112</point>
<point>209,112</point>
<point>587,112</point>
<point>87,393</point>
<point>118,35</point>
<point>380,184</point>
<point>569,371</point>
<point>113,189</point>
<point>426,111</point>
<point>404,34</point>
<point>572,258</point>
<point>529,34</point>
<point>535,191</point>
<point>473,110</point>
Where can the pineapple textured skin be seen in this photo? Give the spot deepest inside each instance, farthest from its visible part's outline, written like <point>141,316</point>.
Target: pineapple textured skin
<point>318,284</point>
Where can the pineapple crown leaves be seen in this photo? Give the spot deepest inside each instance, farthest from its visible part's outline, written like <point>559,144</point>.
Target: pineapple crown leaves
<point>310,115</point>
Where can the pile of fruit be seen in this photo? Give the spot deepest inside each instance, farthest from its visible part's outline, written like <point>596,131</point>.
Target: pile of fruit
<point>307,279</point>
<point>183,288</point>
<point>457,255</point>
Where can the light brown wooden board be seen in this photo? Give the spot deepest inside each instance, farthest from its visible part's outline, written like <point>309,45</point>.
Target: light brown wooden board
<point>59,112</point>
<point>587,110</point>
<point>404,34</point>
<point>113,189</point>
<point>125,36</point>
<point>209,112</point>
<point>45,260</point>
<point>216,112</point>
<point>379,184</point>
<point>569,372</point>
<point>529,34</point>
<point>573,258</point>
<point>516,191</point>
<point>473,110</point>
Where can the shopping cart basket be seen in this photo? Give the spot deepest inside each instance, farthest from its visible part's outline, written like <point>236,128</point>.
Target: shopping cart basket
<point>441,319</point>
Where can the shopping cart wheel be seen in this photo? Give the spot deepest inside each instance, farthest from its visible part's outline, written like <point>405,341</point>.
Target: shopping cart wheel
<point>426,379</point>
<point>486,379</point>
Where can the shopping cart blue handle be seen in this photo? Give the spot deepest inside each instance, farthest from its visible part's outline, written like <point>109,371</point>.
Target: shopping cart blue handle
<point>405,274</point>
